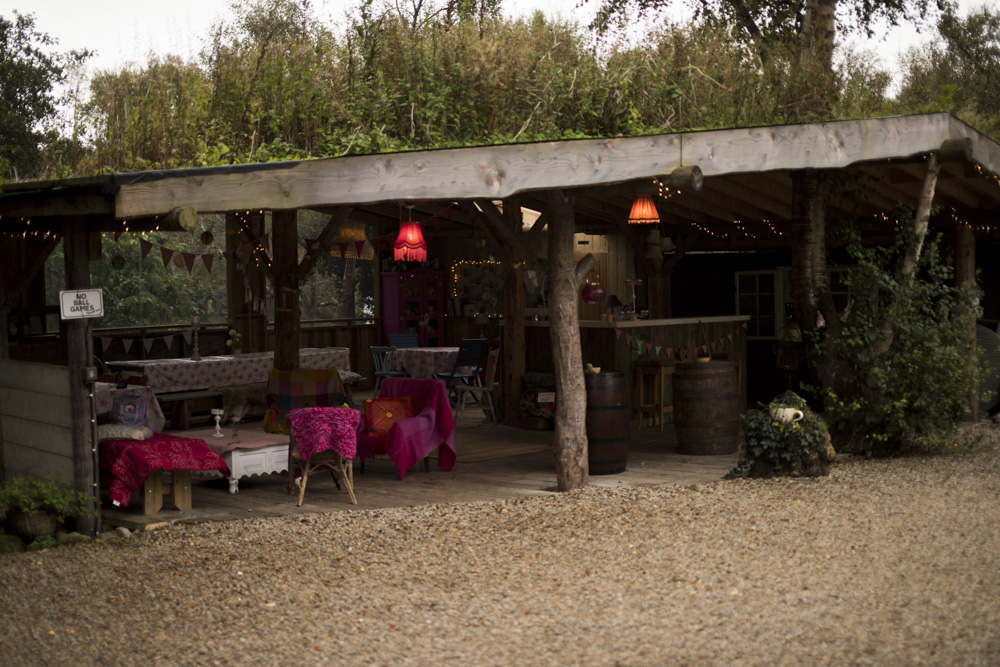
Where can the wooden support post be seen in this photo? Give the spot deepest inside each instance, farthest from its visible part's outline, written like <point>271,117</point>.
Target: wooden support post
<point>513,347</point>
<point>571,404</point>
<point>965,276</point>
<point>80,351</point>
<point>284,272</point>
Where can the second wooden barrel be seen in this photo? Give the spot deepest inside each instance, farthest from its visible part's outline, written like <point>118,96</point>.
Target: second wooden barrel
<point>706,408</point>
<point>608,417</point>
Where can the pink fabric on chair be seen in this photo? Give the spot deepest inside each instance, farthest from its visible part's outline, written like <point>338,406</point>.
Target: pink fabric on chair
<point>413,438</point>
<point>319,429</point>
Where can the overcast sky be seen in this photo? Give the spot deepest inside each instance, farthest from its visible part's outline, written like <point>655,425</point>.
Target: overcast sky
<point>123,31</point>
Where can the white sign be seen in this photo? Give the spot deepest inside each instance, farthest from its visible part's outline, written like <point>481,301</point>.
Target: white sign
<point>78,304</point>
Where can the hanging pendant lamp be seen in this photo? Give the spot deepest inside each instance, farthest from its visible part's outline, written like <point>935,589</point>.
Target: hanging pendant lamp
<point>410,244</point>
<point>643,211</point>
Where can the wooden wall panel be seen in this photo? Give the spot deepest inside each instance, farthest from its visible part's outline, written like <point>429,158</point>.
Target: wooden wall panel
<point>35,414</point>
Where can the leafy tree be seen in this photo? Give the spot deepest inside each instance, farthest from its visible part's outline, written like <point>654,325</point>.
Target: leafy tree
<point>961,74</point>
<point>29,78</point>
<point>895,395</point>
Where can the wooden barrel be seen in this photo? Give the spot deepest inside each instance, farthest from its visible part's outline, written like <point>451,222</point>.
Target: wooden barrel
<point>706,408</point>
<point>608,417</point>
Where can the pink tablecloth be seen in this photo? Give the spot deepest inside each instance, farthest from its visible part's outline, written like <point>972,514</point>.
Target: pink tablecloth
<point>319,429</point>
<point>167,375</point>
<point>104,397</point>
<point>130,462</point>
<point>423,362</point>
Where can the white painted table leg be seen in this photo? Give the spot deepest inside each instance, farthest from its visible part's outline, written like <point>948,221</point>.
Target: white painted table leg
<point>234,486</point>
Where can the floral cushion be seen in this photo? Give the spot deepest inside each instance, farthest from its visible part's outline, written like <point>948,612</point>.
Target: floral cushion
<point>382,413</point>
<point>123,432</point>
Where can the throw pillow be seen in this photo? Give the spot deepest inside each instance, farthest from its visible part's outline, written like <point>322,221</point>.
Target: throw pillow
<point>382,413</point>
<point>123,432</point>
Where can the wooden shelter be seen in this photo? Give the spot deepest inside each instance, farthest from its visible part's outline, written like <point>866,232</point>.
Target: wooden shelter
<point>720,190</point>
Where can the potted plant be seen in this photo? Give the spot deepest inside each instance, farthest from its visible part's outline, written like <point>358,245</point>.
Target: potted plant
<point>234,342</point>
<point>35,506</point>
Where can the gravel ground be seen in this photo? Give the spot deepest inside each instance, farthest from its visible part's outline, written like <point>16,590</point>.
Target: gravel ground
<point>881,563</point>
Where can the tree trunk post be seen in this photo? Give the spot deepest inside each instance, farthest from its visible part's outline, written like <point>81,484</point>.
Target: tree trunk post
<point>284,270</point>
<point>80,351</point>
<point>250,324</point>
<point>571,393</point>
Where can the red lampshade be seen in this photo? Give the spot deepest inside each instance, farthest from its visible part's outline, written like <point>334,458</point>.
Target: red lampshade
<point>410,244</point>
<point>643,211</point>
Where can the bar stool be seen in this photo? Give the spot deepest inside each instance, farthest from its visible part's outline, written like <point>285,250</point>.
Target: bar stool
<point>658,372</point>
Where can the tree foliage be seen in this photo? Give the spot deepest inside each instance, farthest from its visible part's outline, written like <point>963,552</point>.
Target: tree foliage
<point>961,73</point>
<point>29,78</point>
<point>918,387</point>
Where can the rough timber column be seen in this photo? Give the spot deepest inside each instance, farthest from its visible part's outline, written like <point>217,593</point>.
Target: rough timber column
<point>80,350</point>
<point>965,277</point>
<point>513,330</point>
<point>284,267</point>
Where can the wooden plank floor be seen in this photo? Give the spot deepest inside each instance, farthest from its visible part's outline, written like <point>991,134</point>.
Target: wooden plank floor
<point>652,460</point>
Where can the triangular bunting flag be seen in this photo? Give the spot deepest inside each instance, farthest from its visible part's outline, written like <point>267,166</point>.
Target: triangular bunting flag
<point>375,244</point>
<point>343,248</point>
<point>649,348</point>
<point>127,342</point>
<point>207,259</point>
<point>628,339</point>
<point>694,352</point>
<point>166,254</point>
<point>169,340</point>
<point>670,352</point>
<point>147,343</point>
<point>105,342</point>
<point>359,246</point>
<point>228,254</point>
<point>658,348</point>
<point>188,260</point>
<point>145,246</point>
<point>618,333</point>
<point>187,336</point>
<point>713,345</point>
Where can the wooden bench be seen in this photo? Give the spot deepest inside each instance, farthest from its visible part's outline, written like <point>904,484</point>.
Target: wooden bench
<point>181,403</point>
<point>180,491</point>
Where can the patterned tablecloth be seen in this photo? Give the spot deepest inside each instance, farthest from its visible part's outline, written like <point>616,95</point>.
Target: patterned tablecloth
<point>167,375</point>
<point>104,397</point>
<point>130,462</point>
<point>423,362</point>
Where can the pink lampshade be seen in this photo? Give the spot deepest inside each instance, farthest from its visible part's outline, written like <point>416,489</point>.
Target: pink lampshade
<point>410,244</point>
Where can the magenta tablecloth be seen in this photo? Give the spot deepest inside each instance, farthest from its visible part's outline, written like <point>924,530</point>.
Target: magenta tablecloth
<point>130,462</point>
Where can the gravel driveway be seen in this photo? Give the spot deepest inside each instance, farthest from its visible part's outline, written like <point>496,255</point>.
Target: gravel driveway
<point>882,563</point>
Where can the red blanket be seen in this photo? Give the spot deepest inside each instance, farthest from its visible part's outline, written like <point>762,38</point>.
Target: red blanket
<point>130,462</point>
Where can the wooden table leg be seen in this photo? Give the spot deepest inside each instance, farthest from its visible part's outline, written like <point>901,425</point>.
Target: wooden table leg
<point>152,493</point>
<point>181,489</point>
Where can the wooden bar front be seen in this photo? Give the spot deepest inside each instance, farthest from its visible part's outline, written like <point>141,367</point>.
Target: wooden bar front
<point>616,345</point>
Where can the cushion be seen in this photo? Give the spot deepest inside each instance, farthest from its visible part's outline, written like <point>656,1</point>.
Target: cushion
<point>123,432</point>
<point>382,413</point>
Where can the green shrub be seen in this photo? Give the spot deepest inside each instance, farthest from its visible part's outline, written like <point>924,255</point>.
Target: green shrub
<point>776,448</point>
<point>886,402</point>
<point>34,494</point>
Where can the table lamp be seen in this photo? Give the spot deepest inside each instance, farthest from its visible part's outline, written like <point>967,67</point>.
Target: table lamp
<point>612,303</point>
